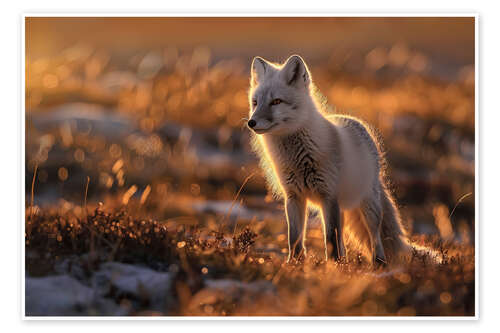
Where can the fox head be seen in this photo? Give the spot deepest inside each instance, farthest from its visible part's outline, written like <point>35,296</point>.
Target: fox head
<point>279,96</point>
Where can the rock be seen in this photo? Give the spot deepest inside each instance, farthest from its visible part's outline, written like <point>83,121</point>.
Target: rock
<point>150,65</point>
<point>84,117</point>
<point>208,146</point>
<point>116,81</point>
<point>73,266</point>
<point>63,295</point>
<point>236,209</point>
<point>138,283</point>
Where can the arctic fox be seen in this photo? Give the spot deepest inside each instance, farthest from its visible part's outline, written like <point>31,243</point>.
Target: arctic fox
<point>332,161</point>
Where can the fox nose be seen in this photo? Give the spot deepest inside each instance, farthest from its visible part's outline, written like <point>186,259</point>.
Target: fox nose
<point>252,123</point>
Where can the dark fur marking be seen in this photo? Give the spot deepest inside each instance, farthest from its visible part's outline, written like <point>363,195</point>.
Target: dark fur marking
<point>305,160</point>
<point>295,72</point>
<point>263,64</point>
<point>304,170</point>
<point>302,149</point>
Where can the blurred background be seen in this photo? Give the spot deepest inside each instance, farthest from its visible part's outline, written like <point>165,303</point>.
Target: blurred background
<point>154,107</point>
<point>142,122</point>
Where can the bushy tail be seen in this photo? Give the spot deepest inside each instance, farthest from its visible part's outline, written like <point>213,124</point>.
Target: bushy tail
<point>393,233</point>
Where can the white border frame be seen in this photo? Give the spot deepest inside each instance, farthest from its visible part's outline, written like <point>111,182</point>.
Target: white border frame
<point>247,14</point>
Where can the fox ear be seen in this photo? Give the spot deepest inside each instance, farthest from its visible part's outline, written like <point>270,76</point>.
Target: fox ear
<point>295,71</point>
<point>259,68</point>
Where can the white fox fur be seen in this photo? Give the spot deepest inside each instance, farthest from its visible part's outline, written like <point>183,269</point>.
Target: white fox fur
<point>332,161</point>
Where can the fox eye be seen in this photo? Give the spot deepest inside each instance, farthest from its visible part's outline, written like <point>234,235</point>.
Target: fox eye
<point>254,102</point>
<point>276,101</point>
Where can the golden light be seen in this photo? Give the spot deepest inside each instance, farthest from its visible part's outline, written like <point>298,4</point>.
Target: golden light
<point>130,192</point>
<point>445,297</point>
<point>62,173</point>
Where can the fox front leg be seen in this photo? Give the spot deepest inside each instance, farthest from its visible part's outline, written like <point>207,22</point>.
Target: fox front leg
<point>295,208</point>
<point>333,228</point>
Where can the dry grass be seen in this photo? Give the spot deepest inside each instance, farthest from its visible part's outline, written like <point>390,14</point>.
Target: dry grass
<point>198,253</point>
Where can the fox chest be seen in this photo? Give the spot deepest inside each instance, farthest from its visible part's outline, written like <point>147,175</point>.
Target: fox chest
<point>299,165</point>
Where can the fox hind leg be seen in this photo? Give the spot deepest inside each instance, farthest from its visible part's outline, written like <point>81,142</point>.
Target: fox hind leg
<point>332,224</point>
<point>372,213</point>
